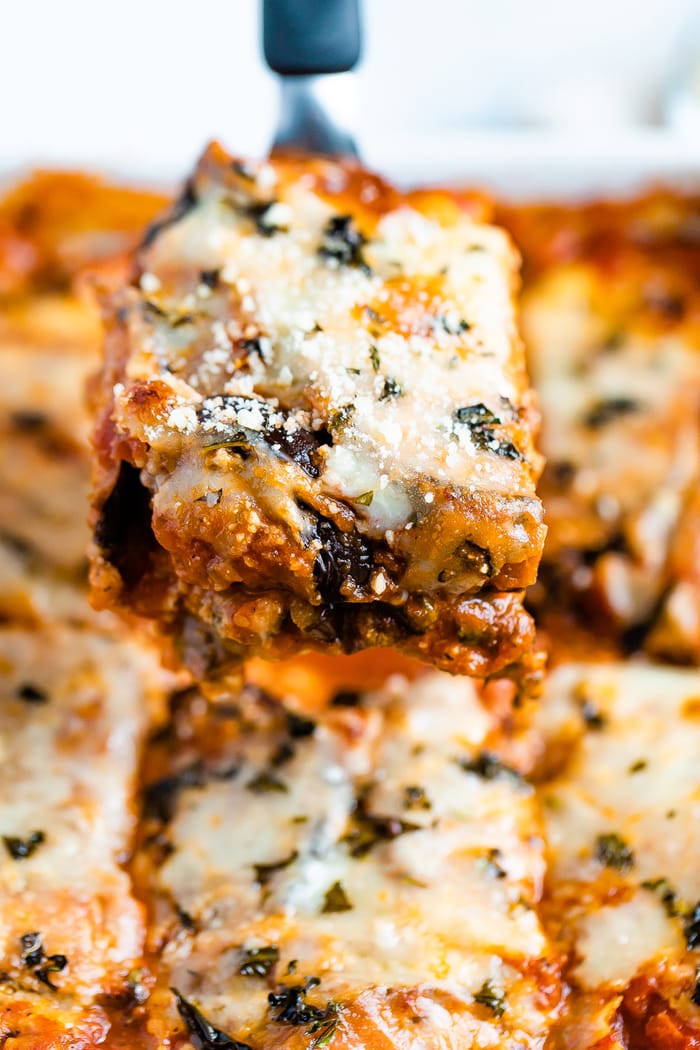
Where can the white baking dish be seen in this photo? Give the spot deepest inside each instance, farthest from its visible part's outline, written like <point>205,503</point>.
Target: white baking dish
<point>529,164</point>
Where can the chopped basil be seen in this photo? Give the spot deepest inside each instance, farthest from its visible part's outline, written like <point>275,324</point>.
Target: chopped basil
<point>32,948</point>
<point>365,499</point>
<point>666,894</point>
<point>239,444</point>
<point>264,872</point>
<point>53,964</point>
<point>341,417</point>
<point>160,797</point>
<point>210,278</point>
<point>257,962</point>
<point>336,899</point>
<point>185,919</point>
<point>290,1002</point>
<point>32,694</point>
<point>282,754</point>
<point>390,389</point>
<point>35,958</point>
<point>490,997</point>
<point>638,766</point>
<point>691,927</point>
<point>591,715</point>
<point>482,424</point>
<point>612,851</point>
<point>346,698</point>
<point>563,472</point>
<point>265,783</point>
<point>489,766</point>
<point>251,346</point>
<point>604,412</point>
<point>343,243</point>
<point>374,358</point>
<point>414,797</point>
<point>324,1030</point>
<point>491,865</point>
<point>293,1009</point>
<point>203,1034</point>
<point>19,848</point>
<point>370,829</point>
<point>451,326</point>
<point>261,214</point>
<point>298,726</point>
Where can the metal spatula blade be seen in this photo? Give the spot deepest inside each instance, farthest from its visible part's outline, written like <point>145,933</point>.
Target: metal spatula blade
<point>312,45</point>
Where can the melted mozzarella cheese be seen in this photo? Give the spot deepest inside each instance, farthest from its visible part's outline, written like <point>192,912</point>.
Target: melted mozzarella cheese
<point>619,391</point>
<point>74,707</point>
<point>440,908</point>
<point>311,314</point>
<point>621,818</point>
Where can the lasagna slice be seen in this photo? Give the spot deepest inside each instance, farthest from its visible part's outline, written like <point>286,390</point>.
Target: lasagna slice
<point>366,878</point>
<point>620,799</point>
<point>314,427</point>
<point>75,705</point>
<point>611,319</point>
<point>53,229</point>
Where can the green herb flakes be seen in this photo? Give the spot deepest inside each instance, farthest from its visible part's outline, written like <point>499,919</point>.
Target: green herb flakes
<point>336,900</point>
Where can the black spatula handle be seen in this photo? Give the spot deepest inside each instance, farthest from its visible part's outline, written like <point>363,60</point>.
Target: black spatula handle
<point>311,37</point>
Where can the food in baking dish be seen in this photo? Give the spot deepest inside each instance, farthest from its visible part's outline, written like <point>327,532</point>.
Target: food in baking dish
<point>53,228</point>
<point>611,319</point>
<point>334,821</point>
<point>366,878</point>
<point>314,406</point>
<point>620,800</point>
<point>75,704</point>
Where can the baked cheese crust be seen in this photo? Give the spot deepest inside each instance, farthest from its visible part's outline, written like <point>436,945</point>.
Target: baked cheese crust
<point>368,878</point>
<point>611,318</point>
<point>315,407</point>
<point>75,706</point>
<point>620,799</point>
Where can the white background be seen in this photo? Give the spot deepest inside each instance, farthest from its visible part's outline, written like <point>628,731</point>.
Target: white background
<point>136,86</point>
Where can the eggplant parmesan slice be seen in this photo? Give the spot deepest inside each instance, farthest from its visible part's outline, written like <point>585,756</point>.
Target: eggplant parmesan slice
<point>620,800</point>
<point>318,384</point>
<point>368,877</point>
<point>76,704</point>
<point>611,319</point>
